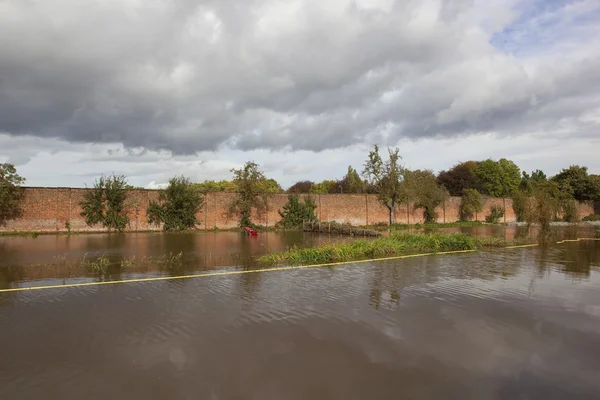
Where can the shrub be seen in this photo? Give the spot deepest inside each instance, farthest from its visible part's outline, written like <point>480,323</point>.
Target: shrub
<point>496,212</point>
<point>178,206</point>
<point>105,203</point>
<point>592,217</point>
<point>295,212</point>
<point>470,204</point>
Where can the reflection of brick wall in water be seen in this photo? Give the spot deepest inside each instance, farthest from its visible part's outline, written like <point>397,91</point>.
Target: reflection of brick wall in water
<point>49,210</point>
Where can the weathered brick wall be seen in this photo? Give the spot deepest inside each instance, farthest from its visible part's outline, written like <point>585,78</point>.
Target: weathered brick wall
<point>49,210</point>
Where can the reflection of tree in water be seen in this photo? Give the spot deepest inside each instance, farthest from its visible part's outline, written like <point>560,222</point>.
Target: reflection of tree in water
<point>579,258</point>
<point>9,273</point>
<point>388,281</point>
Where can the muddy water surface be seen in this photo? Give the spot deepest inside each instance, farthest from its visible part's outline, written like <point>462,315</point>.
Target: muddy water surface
<point>502,324</point>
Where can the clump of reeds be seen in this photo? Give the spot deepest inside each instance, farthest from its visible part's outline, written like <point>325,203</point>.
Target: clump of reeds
<point>395,244</point>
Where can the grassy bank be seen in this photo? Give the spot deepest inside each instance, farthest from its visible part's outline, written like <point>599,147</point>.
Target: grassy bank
<point>396,244</point>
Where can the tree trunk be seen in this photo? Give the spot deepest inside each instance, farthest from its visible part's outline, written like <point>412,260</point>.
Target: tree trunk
<point>392,208</point>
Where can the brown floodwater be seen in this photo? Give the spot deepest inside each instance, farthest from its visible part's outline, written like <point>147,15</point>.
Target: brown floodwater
<point>500,324</point>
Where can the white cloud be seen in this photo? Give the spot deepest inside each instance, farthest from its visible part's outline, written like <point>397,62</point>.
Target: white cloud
<point>198,88</point>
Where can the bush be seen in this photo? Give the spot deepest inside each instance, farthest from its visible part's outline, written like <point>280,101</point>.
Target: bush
<point>470,204</point>
<point>592,217</point>
<point>295,213</point>
<point>105,203</point>
<point>179,203</point>
<point>496,212</point>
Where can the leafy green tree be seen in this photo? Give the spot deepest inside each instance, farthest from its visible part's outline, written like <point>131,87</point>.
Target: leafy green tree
<point>325,187</point>
<point>529,181</point>
<point>295,212</point>
<point>460,177</point>
<point>301,187</point>
<point>105,203</point>
<point>422,188</point>
<point>470,204</point>
<point>215,186</point>
<point>351,183</point>
<point>10,193</point>
<point>273,186</point>
<point>386,178</point>
<point>576,181</point>
<point>499,178</point>
<point>253,192</point>
<point>177,206</point>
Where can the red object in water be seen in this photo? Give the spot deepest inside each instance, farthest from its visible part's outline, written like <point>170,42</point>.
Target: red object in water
<point>250,232</point>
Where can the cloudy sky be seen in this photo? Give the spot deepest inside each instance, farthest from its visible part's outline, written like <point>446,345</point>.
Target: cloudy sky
<point>154,88</point>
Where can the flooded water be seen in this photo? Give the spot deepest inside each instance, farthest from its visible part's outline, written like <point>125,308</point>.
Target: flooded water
<point>502,324</point>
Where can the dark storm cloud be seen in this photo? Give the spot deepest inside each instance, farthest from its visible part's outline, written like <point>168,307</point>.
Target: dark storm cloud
<point>191,76</point>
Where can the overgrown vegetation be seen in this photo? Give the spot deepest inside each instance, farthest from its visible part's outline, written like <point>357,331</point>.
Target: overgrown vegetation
<point>592,217</point>
<point>388,246</point>
<point>10,193</point>
<point>496,212</point>
<point>177,206</point>
<point>295,212</point>
<point>105,203</point>
<point>253,192</point>
<point>470,205</point>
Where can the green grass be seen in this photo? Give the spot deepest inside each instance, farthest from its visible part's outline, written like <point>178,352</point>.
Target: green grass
<point>592,217</point>
<point>396,244</point>
<point>430,226</point>
<point>21,234</point>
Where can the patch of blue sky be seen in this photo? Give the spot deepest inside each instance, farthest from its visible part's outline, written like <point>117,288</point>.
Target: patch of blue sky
<point>541,25</point>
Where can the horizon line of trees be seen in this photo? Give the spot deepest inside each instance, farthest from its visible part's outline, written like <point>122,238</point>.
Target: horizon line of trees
<point>385,176</point>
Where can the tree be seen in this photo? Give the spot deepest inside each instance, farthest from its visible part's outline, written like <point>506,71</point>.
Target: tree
<point>10,193</point>
<point>105,203</point>
<point>460,177</point>
<point>421,187</point>
<point>325,187</point>
<point>499,178</point>
<point>576,181</point>
<point>295,213</point>
<point>177,207</point>
<point>386,178</point>
<point>529,181</point>
<point>301,187</point>
<point>215,186</point>
<point>470,204</point>
<point>253,191</point>
<point>351,183</point>
<point>273,186</point>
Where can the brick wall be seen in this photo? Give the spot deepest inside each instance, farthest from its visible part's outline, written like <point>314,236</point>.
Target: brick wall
<point>49,210</point>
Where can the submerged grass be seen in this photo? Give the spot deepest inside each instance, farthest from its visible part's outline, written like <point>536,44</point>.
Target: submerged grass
<point>395,244</point>
<point>428,226</point>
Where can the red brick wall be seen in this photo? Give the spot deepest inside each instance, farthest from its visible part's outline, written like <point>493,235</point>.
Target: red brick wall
<point>49,209</point>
